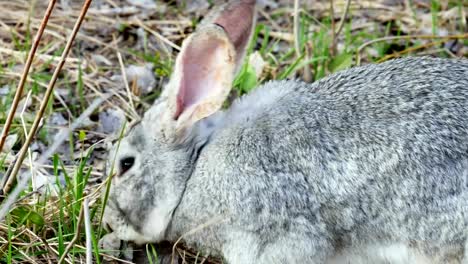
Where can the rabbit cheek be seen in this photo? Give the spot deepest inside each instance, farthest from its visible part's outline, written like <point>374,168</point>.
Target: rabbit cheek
<point>121,228</point>
<point>157,222</point>
<point>138,219</point>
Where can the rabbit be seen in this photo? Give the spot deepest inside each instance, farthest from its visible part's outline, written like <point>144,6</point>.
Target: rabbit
<point>367,165</point>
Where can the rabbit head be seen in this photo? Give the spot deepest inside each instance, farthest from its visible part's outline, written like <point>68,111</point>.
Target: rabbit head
<point>151,164</point>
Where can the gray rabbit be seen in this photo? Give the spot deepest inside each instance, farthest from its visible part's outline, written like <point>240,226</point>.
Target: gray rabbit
<point>368,165</point>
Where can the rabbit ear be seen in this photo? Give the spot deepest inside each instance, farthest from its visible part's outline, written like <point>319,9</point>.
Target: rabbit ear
<point>237,20</point>
<point>206,65</point>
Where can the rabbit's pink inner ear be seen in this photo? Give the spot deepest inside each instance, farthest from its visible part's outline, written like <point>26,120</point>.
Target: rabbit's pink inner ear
<point>179,101</point>
<point>203,79</point>
<point>237,21</point>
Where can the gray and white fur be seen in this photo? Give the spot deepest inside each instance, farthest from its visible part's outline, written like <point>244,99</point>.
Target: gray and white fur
<point>368,165</point>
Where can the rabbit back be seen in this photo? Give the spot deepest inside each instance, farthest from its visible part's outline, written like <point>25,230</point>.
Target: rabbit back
<point>294,172</point>
<point>374,153</point>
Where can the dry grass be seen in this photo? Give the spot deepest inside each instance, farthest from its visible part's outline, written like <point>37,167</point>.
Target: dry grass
<point>41,227</point>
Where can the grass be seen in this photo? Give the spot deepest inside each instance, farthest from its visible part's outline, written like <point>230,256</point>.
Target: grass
<point>43,224</point>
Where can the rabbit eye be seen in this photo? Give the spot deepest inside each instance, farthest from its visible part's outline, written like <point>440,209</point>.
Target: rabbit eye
<point>126,164</point>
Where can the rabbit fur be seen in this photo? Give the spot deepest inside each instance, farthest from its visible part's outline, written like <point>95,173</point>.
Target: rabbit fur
<point>367,165</point>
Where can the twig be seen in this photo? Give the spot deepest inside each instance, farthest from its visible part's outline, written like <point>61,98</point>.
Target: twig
<point>336,33</point>
<point>75,237</point>
<point>306,72</point>
<point>360,48</point>
<point>286,36</point>
<point>39,56</point>
<point>273,23</point>
<point>23,122</point>
<point>410,49</point>
<point>296,29</point>
<point>51,251</point>
<point>160,37</point>
<point>125,80</point>
<point>333,26</point>
<point>307,76</point>
<point>11,178</point>
<point>342,22</point>
<point>89,247</point>
<point>19,89</point>
<point>28,258</point>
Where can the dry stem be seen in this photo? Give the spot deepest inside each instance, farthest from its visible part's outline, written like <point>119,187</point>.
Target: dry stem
<point>77,234</point>
<point>89,246</point>
<point>20,88</point>
<point>360,48</point>
<point>10,179</point>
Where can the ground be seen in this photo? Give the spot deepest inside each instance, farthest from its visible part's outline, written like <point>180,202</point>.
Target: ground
<point>120,61</point>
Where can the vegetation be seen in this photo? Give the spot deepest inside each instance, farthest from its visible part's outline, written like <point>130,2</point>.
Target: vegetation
<point>293,39</point>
